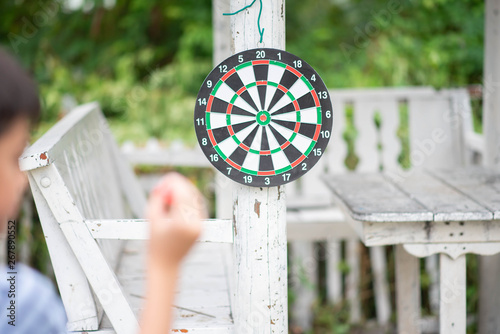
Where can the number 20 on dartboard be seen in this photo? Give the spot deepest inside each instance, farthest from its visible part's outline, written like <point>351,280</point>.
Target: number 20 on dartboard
<point>263,117</point>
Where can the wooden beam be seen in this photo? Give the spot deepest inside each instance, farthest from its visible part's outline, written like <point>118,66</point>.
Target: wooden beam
<point>489,291</point>
<point>214,230</point>
<point>491,77</point>
<point>260,286</point>
<point>221,31</point>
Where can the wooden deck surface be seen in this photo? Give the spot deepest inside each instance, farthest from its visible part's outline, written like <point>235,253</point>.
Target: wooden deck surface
<point>461,194</point>
<point>202,302</point>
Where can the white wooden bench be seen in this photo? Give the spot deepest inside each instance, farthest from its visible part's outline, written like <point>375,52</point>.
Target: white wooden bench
<point>89,202</point>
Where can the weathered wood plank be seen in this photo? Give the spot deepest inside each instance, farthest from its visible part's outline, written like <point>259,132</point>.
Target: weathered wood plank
<point>73,286</point>
<point>369,197</point>
<point>390,233</point>
<point>446,203</point>
<point>317,224</point>
<point>202,298</point>
<point>214,230</point>
<point>381,94</point>
<point>161,156</point>
<point>480,184</point>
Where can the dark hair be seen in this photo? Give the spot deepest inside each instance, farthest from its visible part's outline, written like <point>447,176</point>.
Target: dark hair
<point>18,93</point>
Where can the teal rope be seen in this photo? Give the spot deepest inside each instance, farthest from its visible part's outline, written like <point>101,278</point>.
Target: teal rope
<point>261,32</point>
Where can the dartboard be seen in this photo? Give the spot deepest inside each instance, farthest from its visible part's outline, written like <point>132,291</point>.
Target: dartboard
<point>263,117</point>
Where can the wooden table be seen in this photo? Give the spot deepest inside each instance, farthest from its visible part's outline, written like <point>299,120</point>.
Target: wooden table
<point>446,212</point>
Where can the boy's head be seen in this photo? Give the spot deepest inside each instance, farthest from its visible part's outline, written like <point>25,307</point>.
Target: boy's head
<point>19,108</point>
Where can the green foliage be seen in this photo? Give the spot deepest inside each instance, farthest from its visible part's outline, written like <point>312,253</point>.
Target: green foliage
<point>331,319</point>
<point>363,43</point>
<point>145,60</point>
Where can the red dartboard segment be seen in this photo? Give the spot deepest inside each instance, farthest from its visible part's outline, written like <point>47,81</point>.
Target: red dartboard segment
<point>261,117</point>
<point>209,104</point>
<point>266,173</point>
<point>297,127</point>
<point>228,74</point>
<point>211,136</point>
<point>315,97</point>
<point>283,89</point>
<point>233,164</point>
<point>243,146</point>
<point>316,132</point>
<point>294,71</point>
<point>242,89</point>
<point>298,161</point>
<point>285,145</point>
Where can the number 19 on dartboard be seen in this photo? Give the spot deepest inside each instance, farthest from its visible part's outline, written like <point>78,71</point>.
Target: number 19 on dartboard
<point>263,117</point>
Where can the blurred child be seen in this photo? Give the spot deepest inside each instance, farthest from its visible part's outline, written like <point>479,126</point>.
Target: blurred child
<point>38,308</point>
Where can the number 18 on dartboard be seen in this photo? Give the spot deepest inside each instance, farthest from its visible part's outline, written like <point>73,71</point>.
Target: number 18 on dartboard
<point>263,117</point>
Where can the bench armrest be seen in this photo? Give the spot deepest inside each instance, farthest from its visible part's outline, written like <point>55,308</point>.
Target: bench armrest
<point>214,230</point>
<point>475,142</point>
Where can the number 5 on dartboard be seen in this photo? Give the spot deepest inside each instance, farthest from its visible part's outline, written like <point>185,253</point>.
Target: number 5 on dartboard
<point>263,117</point>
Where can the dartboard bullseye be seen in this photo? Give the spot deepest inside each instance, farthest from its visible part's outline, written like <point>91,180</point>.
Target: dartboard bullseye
<point>263,117</point>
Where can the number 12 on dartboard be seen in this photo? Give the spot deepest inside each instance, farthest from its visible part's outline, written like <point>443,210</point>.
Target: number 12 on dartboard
<point>263,117</point>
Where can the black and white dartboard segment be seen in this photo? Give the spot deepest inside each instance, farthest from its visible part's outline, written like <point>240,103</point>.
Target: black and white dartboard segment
<point>263,117</point>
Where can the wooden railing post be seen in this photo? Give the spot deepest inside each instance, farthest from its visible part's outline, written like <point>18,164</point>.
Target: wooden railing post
<point>489,266</point>
<point>260,253</point>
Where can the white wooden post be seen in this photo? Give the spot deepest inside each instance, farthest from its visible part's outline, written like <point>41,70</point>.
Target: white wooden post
<point>381,286</point>
<point>221,31</point>
<point>304,279</point>
<point>407,292</point>
<point>452,308</point>
<point>260,286</point>
<point>333,274</point>
<point>222,45</point>
<point>489,294</point>
<point>432,268</point>
<point>353,278</point>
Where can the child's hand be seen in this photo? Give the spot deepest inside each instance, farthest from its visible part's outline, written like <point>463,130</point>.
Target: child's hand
<point>175,210</point>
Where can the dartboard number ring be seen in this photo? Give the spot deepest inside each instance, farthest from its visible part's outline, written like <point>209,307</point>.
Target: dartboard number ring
<point>263,117</point>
